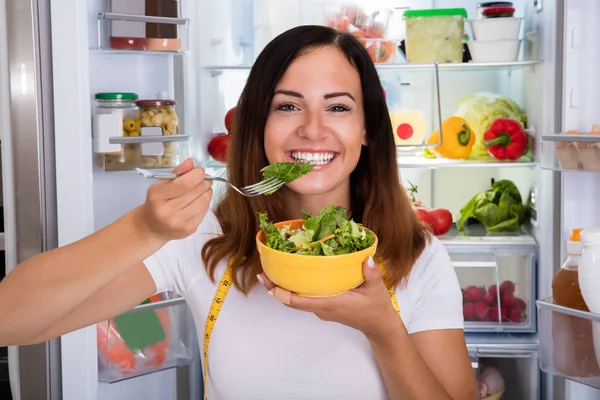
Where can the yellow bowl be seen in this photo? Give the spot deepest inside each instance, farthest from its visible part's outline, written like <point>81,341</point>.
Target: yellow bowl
<point>312,276</point>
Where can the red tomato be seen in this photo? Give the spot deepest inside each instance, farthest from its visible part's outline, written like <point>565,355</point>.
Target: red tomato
<point>439,219</point>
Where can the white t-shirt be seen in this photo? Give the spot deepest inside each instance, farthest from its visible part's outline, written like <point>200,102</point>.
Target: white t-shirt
<point>261,349</point>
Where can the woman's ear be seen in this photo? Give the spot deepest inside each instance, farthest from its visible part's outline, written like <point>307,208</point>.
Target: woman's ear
<point>364,138</point>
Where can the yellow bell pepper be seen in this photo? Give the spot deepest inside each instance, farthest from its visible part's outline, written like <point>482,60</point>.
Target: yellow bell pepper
<point>458,139</point>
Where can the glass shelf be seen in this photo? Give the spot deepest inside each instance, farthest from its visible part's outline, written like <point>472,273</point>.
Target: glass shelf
<point>415,66</point>
<point>569,342</point>
<point>571,151</point>
<point>415,161</point>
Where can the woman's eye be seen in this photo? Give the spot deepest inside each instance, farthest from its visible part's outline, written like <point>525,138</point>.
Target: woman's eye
<point>339,108</point>
<point>286,107</point>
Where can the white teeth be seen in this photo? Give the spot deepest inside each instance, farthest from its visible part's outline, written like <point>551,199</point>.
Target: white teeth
<point>319,158</point>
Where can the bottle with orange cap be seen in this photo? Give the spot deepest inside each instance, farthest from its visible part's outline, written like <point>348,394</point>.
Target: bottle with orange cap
<point>573,347</point>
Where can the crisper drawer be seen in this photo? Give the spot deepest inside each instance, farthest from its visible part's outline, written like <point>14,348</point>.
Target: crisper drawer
<point>498,286</point>
<point>154,336</point>
<point>506,370</point>
<point>569,343</point>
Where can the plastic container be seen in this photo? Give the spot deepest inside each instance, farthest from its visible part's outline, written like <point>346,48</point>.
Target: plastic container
<point>409,127</point>
<point>158,118</point>
<point>498,12</point>
<point>435,33</point>
<point>381,51</point>
<point>573,337</point>
<point>589,269</point>
<point>127,35</point>
<point>154,336</point>
<point>494,50</point>
<point>495,28</point>
<point>162,37</point>
<point>116,114</point>
<point>482,6</point>
<point>363,20</point>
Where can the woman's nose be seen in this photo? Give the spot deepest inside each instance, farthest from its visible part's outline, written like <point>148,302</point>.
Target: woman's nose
<point>313,126</point>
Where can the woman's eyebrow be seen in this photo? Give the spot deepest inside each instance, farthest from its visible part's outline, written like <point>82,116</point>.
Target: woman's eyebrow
<point>326,96</point>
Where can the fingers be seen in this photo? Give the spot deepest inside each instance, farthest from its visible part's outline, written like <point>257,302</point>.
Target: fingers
<point>185,166</point>
<point>168,189</point>
<point>282,295</point>
<point>266,282</point>
<point>371,271</point>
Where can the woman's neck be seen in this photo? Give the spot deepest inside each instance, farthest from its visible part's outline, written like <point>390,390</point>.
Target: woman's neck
<point>295,203</point>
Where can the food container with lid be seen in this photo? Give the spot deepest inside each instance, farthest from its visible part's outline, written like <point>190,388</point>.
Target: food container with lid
<point>589,268</point>
<point>495,28</point>
<point>498,12</point>
<point>494,50</point>
<point>481,7</point>
<point>435,33</point>
<point>159,119</point>
<point>115,115</point>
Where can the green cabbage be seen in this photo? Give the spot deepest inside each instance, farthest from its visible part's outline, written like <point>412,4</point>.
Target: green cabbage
<point>480,110</point>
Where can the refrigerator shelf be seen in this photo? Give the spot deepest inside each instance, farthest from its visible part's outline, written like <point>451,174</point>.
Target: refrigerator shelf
<point>572,151</point>
<point>415,161</point>
<point>149,139</point>
<point>107,51</point>
<point>569,342</point>
<point>467,67</point>
<point>477,236</point>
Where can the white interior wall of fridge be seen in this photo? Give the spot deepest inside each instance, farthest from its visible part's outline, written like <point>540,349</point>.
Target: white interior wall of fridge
<point>581,105</point>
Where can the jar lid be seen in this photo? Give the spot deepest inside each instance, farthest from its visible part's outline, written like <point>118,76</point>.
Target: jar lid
<point>435,12</point>
<point>116,96</point>
<point>155,103</point>
<point>495,4</point>
<point>498,10</point>
<point>590,235</point>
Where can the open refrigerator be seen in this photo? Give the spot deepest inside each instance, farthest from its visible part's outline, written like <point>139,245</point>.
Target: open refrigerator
<point>63,179</point>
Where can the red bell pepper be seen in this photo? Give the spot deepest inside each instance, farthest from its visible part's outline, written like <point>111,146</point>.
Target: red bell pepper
<point>505,139</point>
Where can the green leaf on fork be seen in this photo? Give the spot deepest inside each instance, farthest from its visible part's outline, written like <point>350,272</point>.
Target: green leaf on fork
<point>286,171</point>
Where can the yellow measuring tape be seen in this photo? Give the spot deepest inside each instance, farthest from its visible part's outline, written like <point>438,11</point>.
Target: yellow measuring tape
<point>219,299</point>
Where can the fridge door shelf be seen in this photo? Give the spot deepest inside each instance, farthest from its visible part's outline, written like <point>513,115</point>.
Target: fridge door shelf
<point>461,67</point>
<point>576,151</point>
<point>498,287</point>
<point>477,235</point>
<point>178,45</point>
<point>151,337</point>
<point>569,343</point>
<point>149,152</point>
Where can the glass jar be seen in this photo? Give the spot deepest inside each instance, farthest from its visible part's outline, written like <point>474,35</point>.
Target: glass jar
<point>162,37</point>
<point>159,118</point>
<point>127,35</point>
<point>116,114</point>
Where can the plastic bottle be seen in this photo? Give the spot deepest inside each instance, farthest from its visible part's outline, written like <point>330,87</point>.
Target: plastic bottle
<point>573,342</point>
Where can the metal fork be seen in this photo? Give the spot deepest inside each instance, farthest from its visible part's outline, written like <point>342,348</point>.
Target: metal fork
<point>264,187</point>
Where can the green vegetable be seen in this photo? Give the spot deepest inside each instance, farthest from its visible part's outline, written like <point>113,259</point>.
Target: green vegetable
<point>286,171</point>
<point>499,209</point>
<point>480,110</point>
<point>348,236</point>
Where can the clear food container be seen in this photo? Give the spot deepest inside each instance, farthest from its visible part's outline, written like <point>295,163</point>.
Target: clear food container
<point>116,115</point>
<point>154,336</point>
<point>159,118</point>
<point>435,33</point>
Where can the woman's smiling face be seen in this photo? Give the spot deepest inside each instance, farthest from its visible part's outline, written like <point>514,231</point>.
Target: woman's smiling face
<point>317,116</point>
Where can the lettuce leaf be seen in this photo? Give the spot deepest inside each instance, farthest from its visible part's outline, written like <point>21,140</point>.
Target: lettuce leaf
<point>347,235</point>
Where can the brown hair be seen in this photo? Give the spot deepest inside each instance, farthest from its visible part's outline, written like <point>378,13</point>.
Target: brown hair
<point>378,199</point>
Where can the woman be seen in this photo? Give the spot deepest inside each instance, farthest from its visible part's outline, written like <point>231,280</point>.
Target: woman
<point>312,95</point>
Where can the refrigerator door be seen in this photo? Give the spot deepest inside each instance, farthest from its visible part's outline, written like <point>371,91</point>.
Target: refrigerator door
<point>28,172</point>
